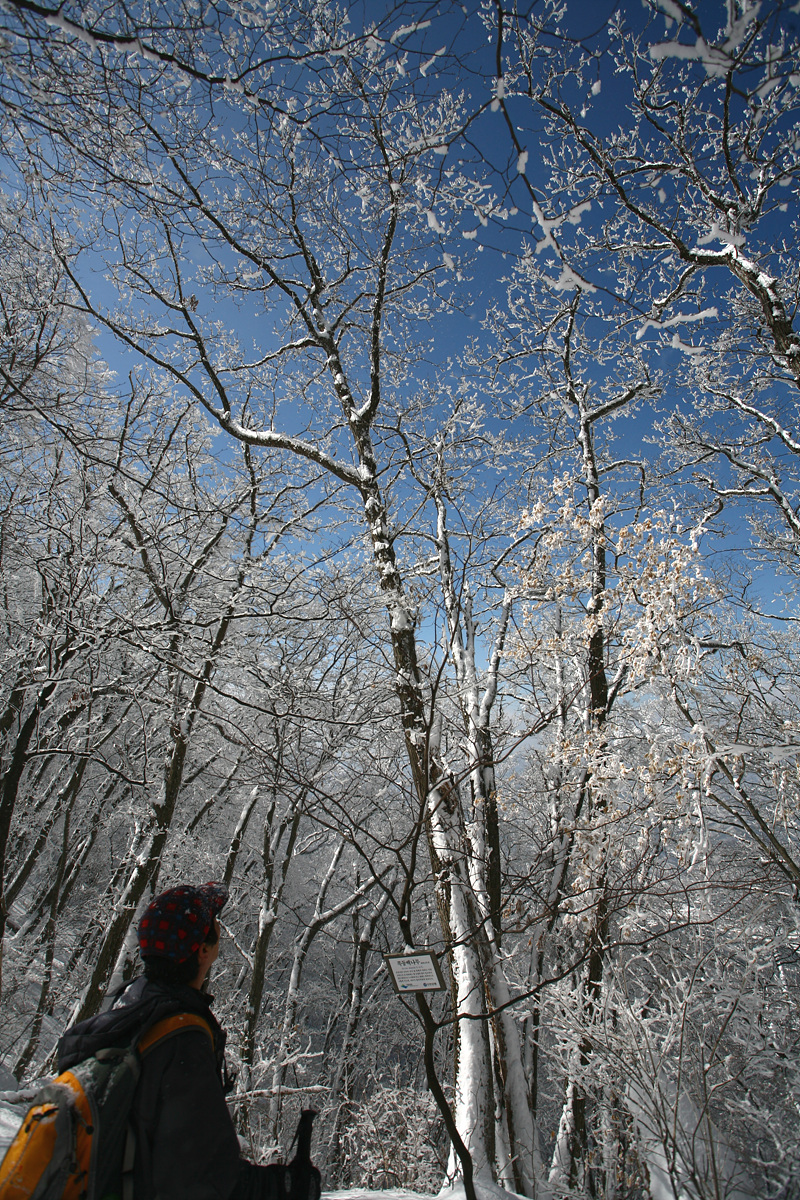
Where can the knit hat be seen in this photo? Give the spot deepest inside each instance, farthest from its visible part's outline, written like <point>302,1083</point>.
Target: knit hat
<point>177,922</point>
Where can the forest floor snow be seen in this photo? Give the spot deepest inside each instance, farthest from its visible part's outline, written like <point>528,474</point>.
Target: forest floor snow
<point>483,1191</point>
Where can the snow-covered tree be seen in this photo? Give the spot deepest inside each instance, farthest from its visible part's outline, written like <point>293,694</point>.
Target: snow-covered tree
<point>431,620</point>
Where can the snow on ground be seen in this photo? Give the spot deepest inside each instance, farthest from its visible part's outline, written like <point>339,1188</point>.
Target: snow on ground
<point>10,1121</point>
<point>364,1194</point>
<point>483,1191</point>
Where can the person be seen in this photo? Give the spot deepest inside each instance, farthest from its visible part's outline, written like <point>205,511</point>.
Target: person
<point>186,1146</point>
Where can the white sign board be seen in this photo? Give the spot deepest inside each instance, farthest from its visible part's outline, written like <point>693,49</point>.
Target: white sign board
<point>415,972</point>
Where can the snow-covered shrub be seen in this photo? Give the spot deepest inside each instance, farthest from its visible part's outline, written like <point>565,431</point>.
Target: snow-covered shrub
<point>393,1139</point>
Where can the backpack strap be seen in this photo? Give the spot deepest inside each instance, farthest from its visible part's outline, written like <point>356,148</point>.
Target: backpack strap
<point>128,1158</point>
<point>170,1026</point>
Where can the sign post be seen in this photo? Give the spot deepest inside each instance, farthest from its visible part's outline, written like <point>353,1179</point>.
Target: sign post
<point>415,972</point>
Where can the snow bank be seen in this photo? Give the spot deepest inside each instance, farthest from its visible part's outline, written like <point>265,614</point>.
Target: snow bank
<point>11,1117</point>
<point>387,1194</point>
<point>484,1190</point>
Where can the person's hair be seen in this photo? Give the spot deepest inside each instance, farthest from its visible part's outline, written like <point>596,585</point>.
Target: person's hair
<point>166,970</point>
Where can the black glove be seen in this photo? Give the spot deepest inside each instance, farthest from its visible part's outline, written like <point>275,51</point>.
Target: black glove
<point>295,1181</point>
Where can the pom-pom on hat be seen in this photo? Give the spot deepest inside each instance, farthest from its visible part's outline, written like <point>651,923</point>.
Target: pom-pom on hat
<point>177,922</point>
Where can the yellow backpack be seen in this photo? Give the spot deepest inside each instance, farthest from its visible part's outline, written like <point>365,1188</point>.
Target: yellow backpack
<point>76,1141</point>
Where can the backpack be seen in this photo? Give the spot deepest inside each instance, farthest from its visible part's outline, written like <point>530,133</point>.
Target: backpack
<point>75,1141</point>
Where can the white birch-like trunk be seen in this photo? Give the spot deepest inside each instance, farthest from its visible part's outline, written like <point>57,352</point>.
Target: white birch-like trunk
<point>562,1163</point>
<point>319,920</point>
<point>293,993</point>
<point>514,1132</point>
<point>474,1108</point>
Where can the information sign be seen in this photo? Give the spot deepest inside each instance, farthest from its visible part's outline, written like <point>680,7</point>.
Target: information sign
<point>415,972</point>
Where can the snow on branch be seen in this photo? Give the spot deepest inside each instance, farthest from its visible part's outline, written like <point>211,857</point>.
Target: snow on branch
<point>678,319</point>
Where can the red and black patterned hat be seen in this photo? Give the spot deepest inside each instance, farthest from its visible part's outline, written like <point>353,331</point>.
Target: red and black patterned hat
<point>176,923</point>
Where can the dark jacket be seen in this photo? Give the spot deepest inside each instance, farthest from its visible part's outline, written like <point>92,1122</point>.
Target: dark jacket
<point>186,1145</point>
